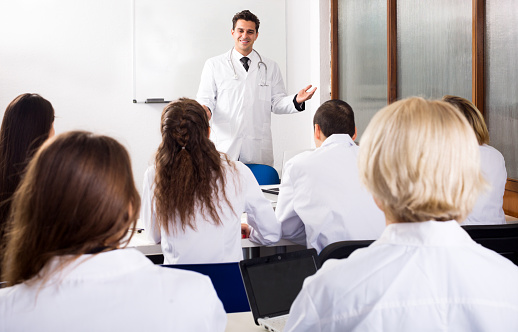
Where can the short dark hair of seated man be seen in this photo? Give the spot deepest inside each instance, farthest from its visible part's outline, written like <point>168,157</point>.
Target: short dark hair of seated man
<point>335,117</point>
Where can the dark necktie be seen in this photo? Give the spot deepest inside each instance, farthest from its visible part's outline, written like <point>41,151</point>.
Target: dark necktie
<point>244,61</point>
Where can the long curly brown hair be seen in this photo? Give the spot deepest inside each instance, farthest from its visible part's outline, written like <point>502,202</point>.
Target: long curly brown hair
<point>190,172</point>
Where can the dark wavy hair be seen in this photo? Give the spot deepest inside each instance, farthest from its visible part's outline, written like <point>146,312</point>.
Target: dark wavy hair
<point>26,125</point>
<point>77,197</point>
<point>189,169</point>
<point>247,16</point>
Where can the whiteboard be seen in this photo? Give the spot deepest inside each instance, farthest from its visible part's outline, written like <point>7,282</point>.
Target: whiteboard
<point>172,39</point>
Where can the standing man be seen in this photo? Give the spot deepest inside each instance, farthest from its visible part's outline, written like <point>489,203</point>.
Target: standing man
<point>239,89</point>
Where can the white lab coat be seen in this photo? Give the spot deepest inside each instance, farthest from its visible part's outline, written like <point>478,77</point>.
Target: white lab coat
<point>241,108</point>
<point>489,206</point>
<point>321,199</point>
<point>120,290</point>
<point>212,243</point>
<point>424,276</point>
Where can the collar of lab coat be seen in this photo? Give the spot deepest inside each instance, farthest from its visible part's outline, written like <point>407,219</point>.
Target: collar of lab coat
<point>338,139</point>
<point>426,233</point>
<point>99,266</point>
<point>254,60</point>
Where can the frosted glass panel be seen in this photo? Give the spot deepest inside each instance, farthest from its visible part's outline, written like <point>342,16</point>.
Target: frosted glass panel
<point>502,79</point>
<point>362,53</point>
<point>434,48</point>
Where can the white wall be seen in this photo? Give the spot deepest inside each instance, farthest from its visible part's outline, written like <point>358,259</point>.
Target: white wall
<point>308,62</point>
<point>78,55</point>
<point>169,61</point>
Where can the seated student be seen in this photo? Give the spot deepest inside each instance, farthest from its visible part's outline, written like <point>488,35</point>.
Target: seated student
<point>194,196</point>
<point>321,199</point>
<point>489,207</point>
<point>420,160</point>
<point>27,123</point>
<point>73,208</point>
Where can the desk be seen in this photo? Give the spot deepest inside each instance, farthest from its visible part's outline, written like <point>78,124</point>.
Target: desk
<point>242,322</point>
<point>511,219</point>
<point>141,242</point>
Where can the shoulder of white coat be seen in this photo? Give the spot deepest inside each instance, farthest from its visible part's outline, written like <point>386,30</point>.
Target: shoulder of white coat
<point>300,161</point>
<point>498,268</point>
<point>492,162</point>
<point>491,151</point>
<point>337,264</point>
<point>218,58</point>
<point>188,279</point>
<point>150,172</point>
<point>238,173</point>
<point>242,171</point>
<point>272,65</point>
<point>330,270</point>
<point>337,271</point>
<point>300,158</point>
<point>192,292</point>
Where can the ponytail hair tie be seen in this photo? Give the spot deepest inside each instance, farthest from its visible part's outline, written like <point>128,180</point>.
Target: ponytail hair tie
<point>183,147</point>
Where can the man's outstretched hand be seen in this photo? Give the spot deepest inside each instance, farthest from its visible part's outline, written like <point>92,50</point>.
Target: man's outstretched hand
<point>305,94</point>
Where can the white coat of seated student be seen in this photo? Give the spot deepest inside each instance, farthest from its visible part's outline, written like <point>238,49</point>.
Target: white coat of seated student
<point>194,196</point>
<point>420,161</point>
<point>70,214</point>
<point>321,199</point>
<point>489,206</point>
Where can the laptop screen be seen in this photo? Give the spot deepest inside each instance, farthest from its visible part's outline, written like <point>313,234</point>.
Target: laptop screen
<point>272,283</point>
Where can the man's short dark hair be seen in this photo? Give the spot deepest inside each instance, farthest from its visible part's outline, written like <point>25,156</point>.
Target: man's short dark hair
<point>247,16</point>
<point>335,117</point>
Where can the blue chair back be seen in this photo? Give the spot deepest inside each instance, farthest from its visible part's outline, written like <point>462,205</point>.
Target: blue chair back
<point>264,174</point>
<point>227,281</point>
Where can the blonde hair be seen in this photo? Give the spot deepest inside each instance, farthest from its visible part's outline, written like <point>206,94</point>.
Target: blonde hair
<point>473,115</point>
<point>420,160</point>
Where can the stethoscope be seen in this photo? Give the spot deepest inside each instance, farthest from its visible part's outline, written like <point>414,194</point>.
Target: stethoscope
<point>261,83</point>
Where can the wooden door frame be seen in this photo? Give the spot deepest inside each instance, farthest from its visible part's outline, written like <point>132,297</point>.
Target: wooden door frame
<point>478,71</point>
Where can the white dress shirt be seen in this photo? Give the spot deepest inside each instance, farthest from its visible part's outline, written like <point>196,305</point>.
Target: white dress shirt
<point>120,290</point>
<point>321,199</point>
<point>212,243</point>
<point>489,206</point>
<point>241,105</point>
<point>425,276</point>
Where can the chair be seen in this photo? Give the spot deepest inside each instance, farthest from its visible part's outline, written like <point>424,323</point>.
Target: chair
<point>342,249</point>
<point>264,174</point>
<point>502,239</point>
<point>227,281</point>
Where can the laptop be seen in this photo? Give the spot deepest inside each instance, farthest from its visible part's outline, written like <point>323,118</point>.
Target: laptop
<point>273,282</point>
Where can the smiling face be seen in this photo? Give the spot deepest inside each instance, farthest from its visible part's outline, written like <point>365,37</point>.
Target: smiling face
<point>244,35</point>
